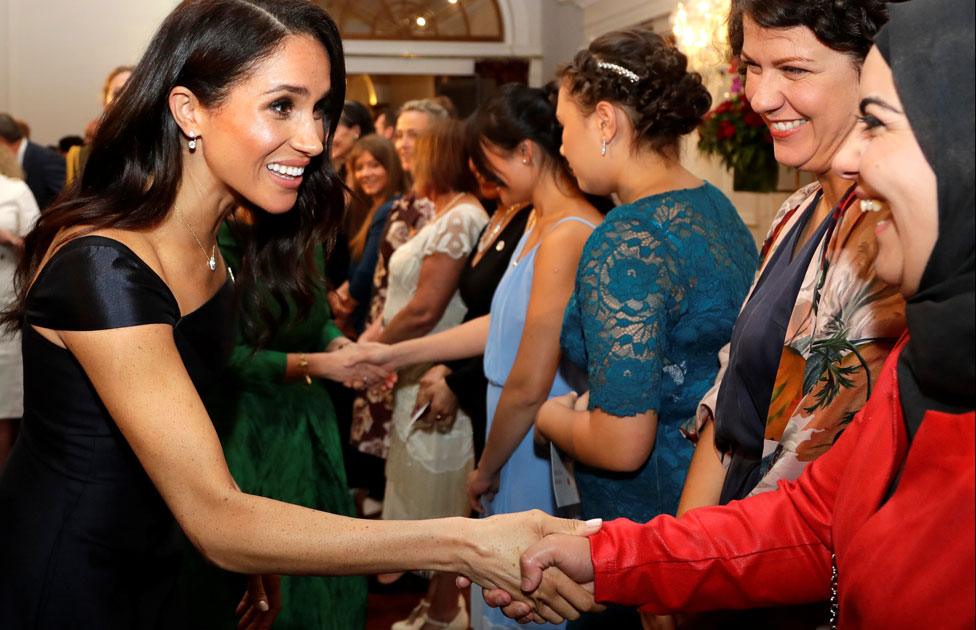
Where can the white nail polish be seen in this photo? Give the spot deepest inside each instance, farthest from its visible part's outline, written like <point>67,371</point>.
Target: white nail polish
<point>594,522</point>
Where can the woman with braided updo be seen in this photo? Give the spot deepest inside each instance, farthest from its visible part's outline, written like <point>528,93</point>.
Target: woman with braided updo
<point>658,285</point>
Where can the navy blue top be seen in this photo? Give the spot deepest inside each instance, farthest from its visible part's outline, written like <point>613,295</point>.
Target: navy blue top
<point>361,270</point>
<point>658,288</point>
<point>757,347</point>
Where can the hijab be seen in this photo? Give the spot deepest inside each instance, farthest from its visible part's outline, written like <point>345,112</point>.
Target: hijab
<point>929,45</point>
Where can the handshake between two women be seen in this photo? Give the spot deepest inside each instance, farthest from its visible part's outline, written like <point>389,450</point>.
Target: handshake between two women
<point>535,567</point>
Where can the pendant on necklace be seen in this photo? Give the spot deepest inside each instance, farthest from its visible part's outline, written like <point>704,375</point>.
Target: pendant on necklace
<point>500,246</point>
<point>212,262</point>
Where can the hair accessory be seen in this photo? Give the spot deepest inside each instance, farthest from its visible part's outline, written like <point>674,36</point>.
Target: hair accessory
<point>630,75</point>
<point>192,144</point>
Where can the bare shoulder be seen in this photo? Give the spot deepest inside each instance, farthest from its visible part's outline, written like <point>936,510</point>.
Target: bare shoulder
<point>571,231</point>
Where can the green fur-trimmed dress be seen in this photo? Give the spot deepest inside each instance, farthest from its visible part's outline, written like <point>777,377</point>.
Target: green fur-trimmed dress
<point>281,441</point>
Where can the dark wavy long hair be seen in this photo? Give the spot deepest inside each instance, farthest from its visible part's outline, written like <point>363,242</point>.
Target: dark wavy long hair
<point>135,166</point>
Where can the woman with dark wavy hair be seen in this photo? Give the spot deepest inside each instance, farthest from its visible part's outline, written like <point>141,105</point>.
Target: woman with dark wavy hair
<point>126,310</point>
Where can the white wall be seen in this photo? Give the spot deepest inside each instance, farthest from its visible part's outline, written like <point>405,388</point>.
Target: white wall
<point>56,54</point>
<point>563,35</point>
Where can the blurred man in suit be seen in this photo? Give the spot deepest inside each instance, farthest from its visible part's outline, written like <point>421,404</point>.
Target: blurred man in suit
<point>43,168</point>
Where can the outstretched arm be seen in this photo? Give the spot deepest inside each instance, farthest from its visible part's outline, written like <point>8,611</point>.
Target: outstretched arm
<point>163,419</point>
<point>460,342</point>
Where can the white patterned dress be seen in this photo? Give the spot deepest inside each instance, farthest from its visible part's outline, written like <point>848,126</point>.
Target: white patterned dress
<point>426,469</point>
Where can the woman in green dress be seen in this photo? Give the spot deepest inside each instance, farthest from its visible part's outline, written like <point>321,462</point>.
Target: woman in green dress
<point>279,432</point>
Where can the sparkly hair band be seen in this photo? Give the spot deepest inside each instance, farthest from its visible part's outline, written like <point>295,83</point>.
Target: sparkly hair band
<point>630,75</point>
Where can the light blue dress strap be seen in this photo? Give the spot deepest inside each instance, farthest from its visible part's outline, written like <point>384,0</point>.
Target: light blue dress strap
<point>585,222</point>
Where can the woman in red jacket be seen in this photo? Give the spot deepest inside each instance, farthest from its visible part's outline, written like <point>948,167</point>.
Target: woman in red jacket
<point>883,523</point>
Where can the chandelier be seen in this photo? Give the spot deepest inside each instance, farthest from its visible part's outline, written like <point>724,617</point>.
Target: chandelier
<point>700,32</point>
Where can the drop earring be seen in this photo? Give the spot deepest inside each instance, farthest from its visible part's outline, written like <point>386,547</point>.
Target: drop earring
<point>603,148</point>
<point>192,144</point>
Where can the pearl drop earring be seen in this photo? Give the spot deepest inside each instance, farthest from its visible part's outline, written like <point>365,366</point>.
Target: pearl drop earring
<point>603,148</point>
<point>192,144</point>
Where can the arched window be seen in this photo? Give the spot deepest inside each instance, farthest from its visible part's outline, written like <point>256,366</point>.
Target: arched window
<point>432,20</point>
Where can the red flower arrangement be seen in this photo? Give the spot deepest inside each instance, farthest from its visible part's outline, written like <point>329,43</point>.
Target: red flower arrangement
<point>738,135</point>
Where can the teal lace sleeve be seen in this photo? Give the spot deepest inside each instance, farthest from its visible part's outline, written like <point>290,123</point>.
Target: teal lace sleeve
<point>622,298</point>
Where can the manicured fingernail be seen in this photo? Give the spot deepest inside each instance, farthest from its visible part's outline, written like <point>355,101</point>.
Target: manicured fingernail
<point>263,606</point>
<point>594,522</point>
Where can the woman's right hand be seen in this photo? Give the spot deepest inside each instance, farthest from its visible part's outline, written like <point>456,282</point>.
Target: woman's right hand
<point>544,565</point>
<point>343,366</point>
<point>501,540</point>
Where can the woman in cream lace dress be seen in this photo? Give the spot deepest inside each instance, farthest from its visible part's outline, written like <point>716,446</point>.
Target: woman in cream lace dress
<point>430,458</point>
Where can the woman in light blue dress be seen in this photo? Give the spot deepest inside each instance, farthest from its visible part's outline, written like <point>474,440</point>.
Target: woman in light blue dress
<point>659,283</point>
<point>518,146</point>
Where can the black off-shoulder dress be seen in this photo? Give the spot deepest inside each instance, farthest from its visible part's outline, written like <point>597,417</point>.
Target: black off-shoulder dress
<point>86,541</point>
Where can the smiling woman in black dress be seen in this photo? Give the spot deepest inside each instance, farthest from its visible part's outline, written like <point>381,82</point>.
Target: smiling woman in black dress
<point>125,307</point>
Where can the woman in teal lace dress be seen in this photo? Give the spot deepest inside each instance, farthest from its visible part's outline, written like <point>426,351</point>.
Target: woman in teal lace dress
<point>280,437</point>
<point>658,286</point>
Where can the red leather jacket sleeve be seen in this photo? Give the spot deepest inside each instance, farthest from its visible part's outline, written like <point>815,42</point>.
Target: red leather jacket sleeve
<point>767,550</point>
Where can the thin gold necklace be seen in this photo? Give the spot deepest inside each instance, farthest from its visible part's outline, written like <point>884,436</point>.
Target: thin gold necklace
<point>489,235</point>
<point>212,259</point>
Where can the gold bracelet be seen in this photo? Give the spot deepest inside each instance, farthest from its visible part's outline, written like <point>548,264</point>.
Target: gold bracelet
<point>303,366</point>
